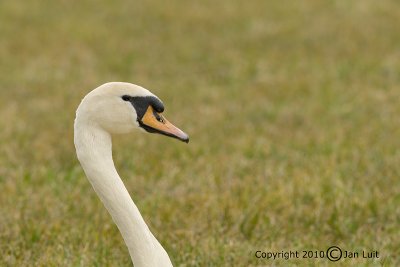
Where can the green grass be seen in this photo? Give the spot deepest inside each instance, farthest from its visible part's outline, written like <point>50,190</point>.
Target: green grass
<point>292,108</point>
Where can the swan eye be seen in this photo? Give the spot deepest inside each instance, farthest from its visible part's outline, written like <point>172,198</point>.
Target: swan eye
<point>126,98</point>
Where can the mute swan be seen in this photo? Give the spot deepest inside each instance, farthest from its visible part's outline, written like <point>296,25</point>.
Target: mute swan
<point>117,108</point>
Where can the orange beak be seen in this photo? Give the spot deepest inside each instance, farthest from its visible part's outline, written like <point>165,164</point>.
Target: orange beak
<point>154,122</point>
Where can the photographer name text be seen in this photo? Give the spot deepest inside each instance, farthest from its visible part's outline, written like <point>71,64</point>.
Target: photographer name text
<point>333,253</point>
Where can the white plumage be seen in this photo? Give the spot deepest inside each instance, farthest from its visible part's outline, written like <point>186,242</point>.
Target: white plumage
<point>104,112</point>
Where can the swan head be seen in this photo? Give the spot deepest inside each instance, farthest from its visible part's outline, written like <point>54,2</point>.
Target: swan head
<point>119,107</point>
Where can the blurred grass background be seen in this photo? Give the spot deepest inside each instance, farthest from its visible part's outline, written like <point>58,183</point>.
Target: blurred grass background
<point>292,108</point>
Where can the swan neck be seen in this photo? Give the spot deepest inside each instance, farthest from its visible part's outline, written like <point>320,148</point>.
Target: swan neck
<point>94,150</point>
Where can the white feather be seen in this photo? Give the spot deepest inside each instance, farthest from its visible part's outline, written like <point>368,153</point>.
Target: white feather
<point>101,113</point>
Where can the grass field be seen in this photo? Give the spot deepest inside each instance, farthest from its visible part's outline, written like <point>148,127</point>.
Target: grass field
<point>292,108</point>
